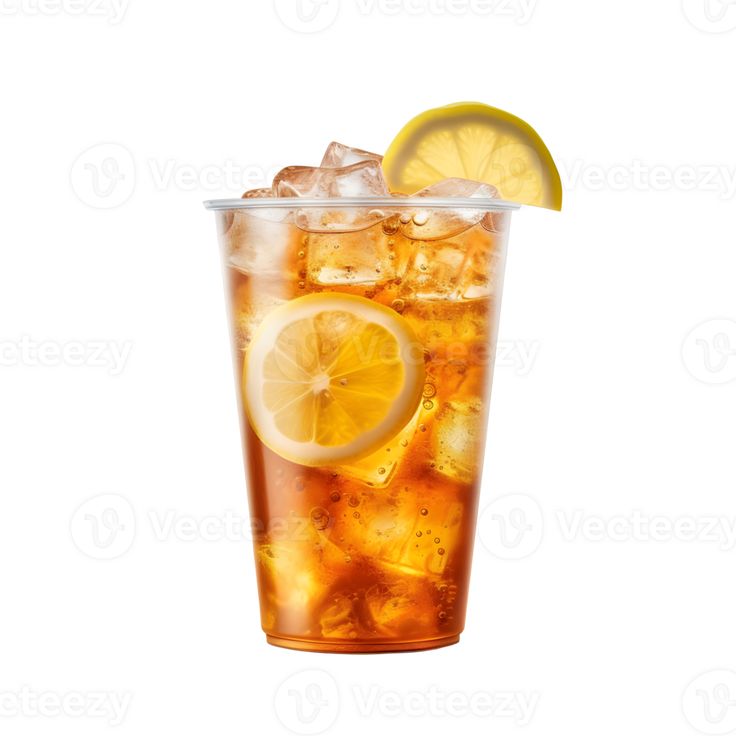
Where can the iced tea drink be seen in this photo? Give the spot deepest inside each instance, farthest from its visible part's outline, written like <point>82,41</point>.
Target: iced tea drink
<point>364,333</point>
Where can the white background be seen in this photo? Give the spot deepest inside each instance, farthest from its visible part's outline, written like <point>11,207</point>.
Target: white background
<point>607,606</point>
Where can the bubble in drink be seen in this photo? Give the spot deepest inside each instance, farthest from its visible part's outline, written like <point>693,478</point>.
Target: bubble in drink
<point>320,518</point>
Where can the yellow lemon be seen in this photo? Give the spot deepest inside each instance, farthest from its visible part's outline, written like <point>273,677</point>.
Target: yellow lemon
<point>470,140</point>
<point>331,377</point>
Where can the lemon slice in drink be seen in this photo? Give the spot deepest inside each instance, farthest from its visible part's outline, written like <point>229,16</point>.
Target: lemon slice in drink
<point>329,378</point>
<point>470,140</point>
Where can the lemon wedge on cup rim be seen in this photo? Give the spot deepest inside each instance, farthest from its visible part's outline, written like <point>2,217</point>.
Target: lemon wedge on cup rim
<point>331,377</point>
<point>470,140</point>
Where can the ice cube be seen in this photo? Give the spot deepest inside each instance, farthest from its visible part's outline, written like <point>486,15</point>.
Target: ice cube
<point>291,585</point>
<point>412,532</point>
<point>463,188</point>
<point>338,619</point>
<point>452,330</point>
<point>224,221</point>
<point>258,193</point>
<point>496,222</point>
<point>482,271</point>
<point>416,544</point>
<point>460,379</point>
<point>400,607</point>
<point>467,266</point>
<point>363,257</point>
<point>379,468</point>
<point>338,154</point>
<point>296,574</point>
<point>274,214</point>
<point>253,299</point>
<point>434,271</point>
<point>362,179</point>
<point>458,435</point>
<point>260,245</point>
<point>438,224</point>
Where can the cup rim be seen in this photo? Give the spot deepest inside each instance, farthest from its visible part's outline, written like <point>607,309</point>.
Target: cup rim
<point>485,204</point>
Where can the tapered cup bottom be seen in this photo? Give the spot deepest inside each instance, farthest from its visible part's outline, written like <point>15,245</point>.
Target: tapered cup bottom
<point>361,647</point>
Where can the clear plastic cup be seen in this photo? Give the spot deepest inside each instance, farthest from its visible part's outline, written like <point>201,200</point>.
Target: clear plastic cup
<point>369,553</point>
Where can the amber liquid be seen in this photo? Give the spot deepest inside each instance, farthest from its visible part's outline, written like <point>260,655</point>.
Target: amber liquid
<point>374,555</point>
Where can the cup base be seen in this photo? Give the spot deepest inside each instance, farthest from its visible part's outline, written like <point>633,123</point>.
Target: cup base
<point>361,647</point>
